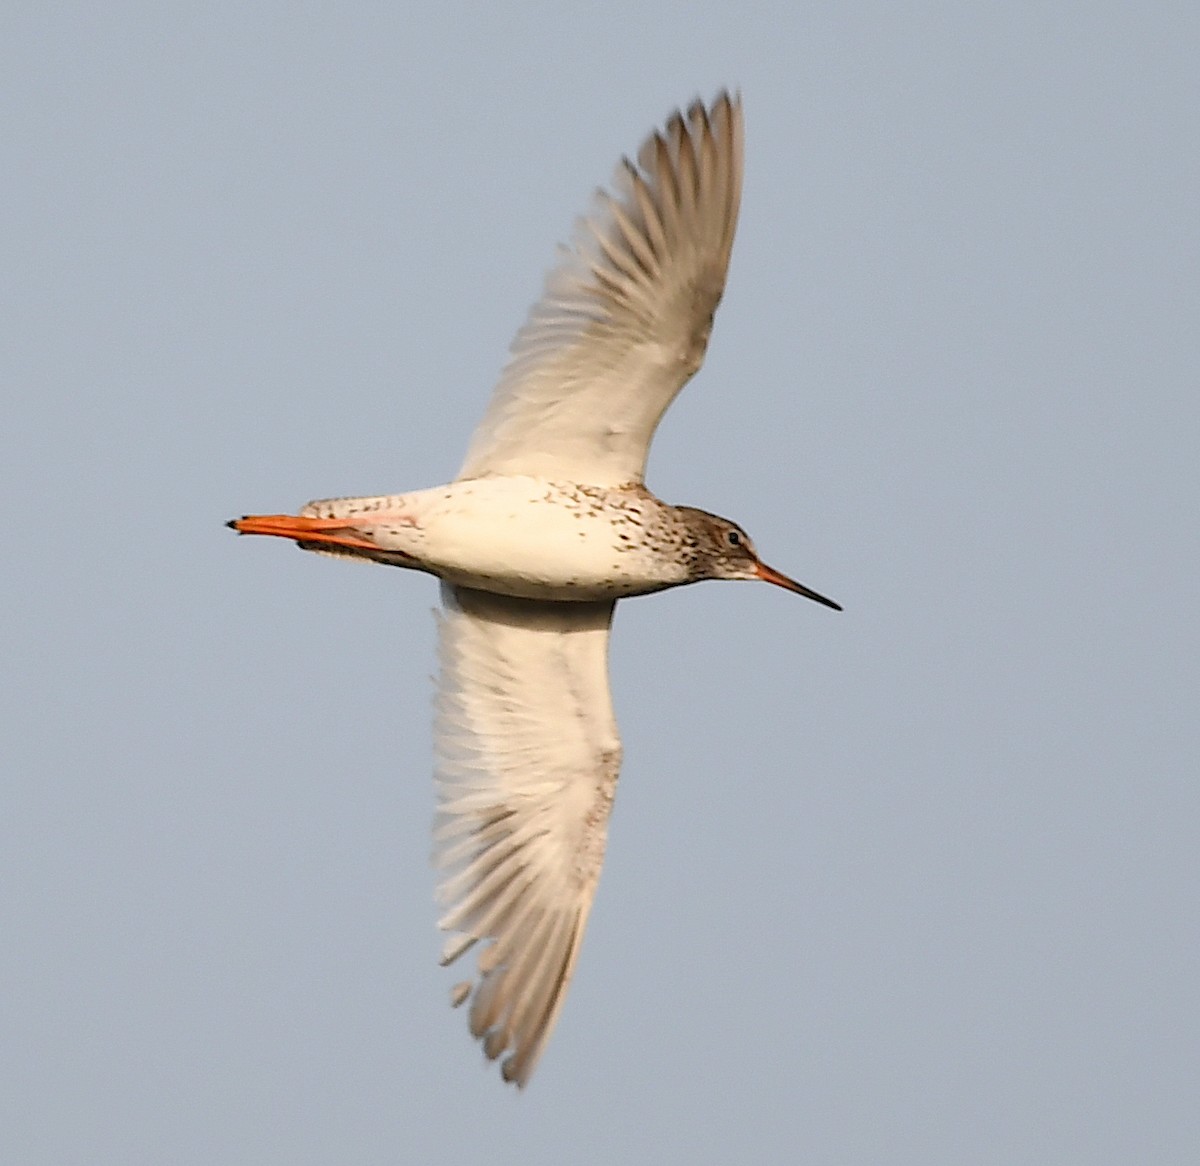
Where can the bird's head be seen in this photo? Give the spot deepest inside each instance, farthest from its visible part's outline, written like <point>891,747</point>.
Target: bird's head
<point>723,550</point>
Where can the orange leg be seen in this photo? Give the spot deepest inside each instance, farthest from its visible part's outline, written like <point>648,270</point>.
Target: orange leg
<point>334,531</point>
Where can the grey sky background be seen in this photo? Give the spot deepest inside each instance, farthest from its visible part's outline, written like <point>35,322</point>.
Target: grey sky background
<point>916,883</point>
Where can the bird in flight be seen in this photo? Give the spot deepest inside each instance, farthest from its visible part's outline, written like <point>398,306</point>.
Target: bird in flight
<point>547,525</point>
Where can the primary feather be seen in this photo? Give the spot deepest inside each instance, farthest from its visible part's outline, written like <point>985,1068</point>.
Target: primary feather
<point>625,317</point>
<point>528,756</point>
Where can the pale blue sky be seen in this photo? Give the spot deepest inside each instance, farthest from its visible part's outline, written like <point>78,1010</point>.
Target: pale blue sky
<point>916,883</point>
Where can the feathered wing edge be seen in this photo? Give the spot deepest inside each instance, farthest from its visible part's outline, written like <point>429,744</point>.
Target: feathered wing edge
<point>528,757</point>
<point>626,313</point>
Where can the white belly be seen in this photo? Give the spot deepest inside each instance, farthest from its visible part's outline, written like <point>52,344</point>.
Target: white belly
<point>527,537</point>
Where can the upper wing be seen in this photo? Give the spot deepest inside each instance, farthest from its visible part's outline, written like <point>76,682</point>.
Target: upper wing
<point>528,756</point>
<point>625,317</point>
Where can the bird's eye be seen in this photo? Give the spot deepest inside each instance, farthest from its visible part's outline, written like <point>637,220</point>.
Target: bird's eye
<point>733,538</point>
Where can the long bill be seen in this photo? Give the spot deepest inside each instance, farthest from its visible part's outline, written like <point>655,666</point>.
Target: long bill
<point>770,575</point>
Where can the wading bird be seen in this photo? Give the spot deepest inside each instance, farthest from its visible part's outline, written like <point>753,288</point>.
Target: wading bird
<point>547,525</point>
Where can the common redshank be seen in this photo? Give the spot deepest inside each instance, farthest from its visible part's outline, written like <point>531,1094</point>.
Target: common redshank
<point>547,525</point>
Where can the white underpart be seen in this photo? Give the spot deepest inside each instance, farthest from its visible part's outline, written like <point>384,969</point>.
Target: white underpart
<point>522,536</point>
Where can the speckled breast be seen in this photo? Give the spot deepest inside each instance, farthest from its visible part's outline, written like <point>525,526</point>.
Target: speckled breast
<point>548,540</point>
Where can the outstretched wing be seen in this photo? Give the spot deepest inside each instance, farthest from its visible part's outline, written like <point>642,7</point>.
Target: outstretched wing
<point>625,318</point>
<point>528,756</point>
